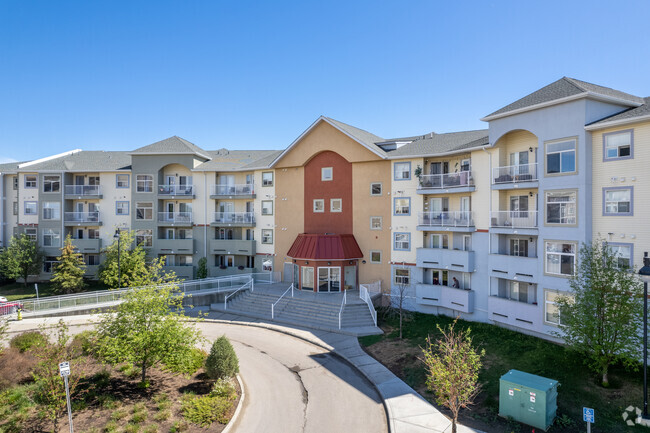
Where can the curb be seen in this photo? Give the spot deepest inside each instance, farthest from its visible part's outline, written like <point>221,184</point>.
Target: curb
<point>233,420</point>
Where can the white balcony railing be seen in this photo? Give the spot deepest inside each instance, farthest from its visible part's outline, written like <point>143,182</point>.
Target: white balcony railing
<point>83,190</point>
<point>517,219</point>
<point>82,217</point>
<point>515,173</point>
<point>175,217</point>
<point>449,180</point>
<point>446,219</point>
<point>175,189</point>
<point>234,217</point>
<point>244,189</point>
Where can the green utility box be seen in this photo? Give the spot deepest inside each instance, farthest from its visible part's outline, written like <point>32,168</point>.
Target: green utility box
<point>528,398</point>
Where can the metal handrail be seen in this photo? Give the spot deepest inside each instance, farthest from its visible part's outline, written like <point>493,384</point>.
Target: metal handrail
<point>515,173</point>
<point>514,219</point>
<point>176,189</point>
<point>446,219</point>
<point>81,190</point>
<point>365,296</point>
<point>175,217</point>
<point>273,304</point>
<point>225,300</point>
<point>447,180</point>
<point>234,189</point>
<point>343,302</point>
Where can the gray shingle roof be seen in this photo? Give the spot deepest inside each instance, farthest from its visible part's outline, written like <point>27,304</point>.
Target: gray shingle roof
<point>237,160</point>
<point>436,144</point>
<point>631,114</point>
<point>87,160</point>
<point>364,137</point>
<point>173,144</point>
<point>563,88</point>
<point>9,166</point>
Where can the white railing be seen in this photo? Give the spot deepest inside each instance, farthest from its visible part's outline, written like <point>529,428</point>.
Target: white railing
<point>82,190</point>
<point>82,217</point>
<point>245,286</point>
<point>176,189</point>
<point>448,180</point>
<point>364,294</point>
<point>517,219</point>
<point>243,189</point>
<point>343,302</point>
<point>515,173</point>
<point>279,299</point>
<point>175,217</point>
<point>446,219</point>
<point>234,217</point>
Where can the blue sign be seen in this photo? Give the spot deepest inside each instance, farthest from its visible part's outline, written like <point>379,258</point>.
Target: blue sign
<point>588,415</point>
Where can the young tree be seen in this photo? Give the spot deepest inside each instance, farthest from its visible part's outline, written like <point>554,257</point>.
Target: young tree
<point>397,299</point>
<point>222,362</point>
<point>69,271</point>
<point>21,258</point>
<point>202,270</point>
<point>452,366</point>
<point>132,262</point>
<point>603,316</point>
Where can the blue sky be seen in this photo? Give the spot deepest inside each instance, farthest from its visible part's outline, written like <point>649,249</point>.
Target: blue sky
<point>117,75</point>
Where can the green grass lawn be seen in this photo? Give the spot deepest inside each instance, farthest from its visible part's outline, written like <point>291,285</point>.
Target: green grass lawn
<point>506,350</point>
<point>16,291</point>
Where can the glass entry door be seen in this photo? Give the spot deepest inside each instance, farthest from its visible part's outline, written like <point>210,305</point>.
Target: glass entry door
<point>329,279</point>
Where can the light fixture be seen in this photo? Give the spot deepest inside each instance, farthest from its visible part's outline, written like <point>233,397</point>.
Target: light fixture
<point>306,262</point>
<point>530,193</point>
<point>329,263</point>
<point>363,261</point>
<point>530,149</point>
<point>350,262</point>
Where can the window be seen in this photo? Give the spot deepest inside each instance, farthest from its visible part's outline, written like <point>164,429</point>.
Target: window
<point>307,278</point>
<point>402,170</point>
<point>519,206</point>
<point>465,164</point>
<point>375,222</point>
<point>319,205</point>
<point>144,183</point>
<point>121,180</point>
<point>143,211</point>
<point>267,207</point>
<point>91,259</point>
<point>521,292</point>
<point>121,208</point>
<point>618,145</point>
<point>551,309</point>
<point>375,188</point>
<point>561,157</point>
<point>623,253</point>
<point>617,201</point>
<point>439,241</point>
<point>48,264</point>
<point>51,238</point>
<point>30,181</point>
<point>15,208</point>
<point>326,173</point>
<point>184,260</point>
<point>51,183</point>
<point>15,182</point>
<point>375,256</point>
<point>31,208</point>
<point>519,247</point>
<point>336,205</point>
<point>267,178</point>
<point>31,234</point>
<point>560,258</point>
<point>51,210</point>
<point>267,236</point>
<point>561,207</point>
<point>93,233</point>
<point>402,206</point>
<point>402,276</point>
<point>144,237</point>
<point>402,242</point>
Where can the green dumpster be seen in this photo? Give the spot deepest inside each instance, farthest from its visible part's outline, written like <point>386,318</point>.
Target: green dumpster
<point>528,398</point>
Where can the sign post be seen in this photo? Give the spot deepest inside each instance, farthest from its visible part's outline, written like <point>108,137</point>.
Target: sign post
<point>64,371</point>
<point>589,417</point>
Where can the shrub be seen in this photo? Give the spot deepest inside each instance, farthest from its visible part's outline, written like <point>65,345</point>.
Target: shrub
<point>27,340</point>
<point>110,427</point>
<point>118,414</point>
<point>225,389</point>
<point>185,361</point>
<point>151,428</point>
<point>179,426</point>
<point>222,361</point>
<point>206,409</point>
<point>85,342</point>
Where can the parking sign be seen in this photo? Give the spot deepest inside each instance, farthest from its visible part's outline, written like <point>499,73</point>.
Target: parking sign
<point>588,415</point>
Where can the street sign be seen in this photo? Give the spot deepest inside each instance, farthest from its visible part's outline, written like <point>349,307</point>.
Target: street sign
<point>64,369</point>
<point>588,415</point>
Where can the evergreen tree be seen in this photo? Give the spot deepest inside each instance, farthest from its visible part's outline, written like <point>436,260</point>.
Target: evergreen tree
<point>202,270</point>
<point>21,258</point>
<point>69,272</point>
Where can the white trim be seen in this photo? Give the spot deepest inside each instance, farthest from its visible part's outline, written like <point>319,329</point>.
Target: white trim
<point>49,158</point>
<point>617,122</point>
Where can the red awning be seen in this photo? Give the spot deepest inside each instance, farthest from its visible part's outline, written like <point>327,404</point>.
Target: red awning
<point>325,247</point>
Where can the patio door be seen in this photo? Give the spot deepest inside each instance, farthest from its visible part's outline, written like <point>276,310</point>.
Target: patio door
<point>329,279</point>
<point>169,206</point>
<point>170,180</point>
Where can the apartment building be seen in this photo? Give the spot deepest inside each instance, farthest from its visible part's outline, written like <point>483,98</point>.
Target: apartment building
<point>484,224</point>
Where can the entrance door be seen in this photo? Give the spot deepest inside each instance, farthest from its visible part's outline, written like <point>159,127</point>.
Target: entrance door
<point>350,277</point>
<point>329,279</point>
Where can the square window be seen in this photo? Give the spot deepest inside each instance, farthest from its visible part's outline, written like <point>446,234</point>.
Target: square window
<point>402,206</point>
<point>560,258</point>
<point>31,234</point>
<point>267,207</point>
<point>376,223</point>
<point>121,180</point>
<point>402,242</point>
<point>375,188</point>
<point>51,210</point>
<point>402,277</point>
<point>144,238</point>
<point>375,256</point>
<point>267,236</point>
<point>618,145</point>
<point>267,178</point>
<point>326,173</point>
<point>319,205</point>
<point>561,157</point>
<point>121,208</point>
<point>51,238</point>
<point>30,181</point>
<point>402,170</point>
<point>143,210</point>
<point>623,254</point>
<point>561,207</point>
<point>51,183</point>
<point>551,309</point>
<point>144,183</point>
<point>336,205</point>
<point>617,201</point>
<point>31,208</point>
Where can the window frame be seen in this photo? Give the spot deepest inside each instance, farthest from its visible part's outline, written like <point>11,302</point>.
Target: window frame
<point>14,181</point>
<point>35,208</point>
<point>546,212</point>
<point>381,223</point>
<point>547,302</point>
<point>262,207</point>
<point>408,276</point>
<point>117,180</point>
<point>128,210</point>
<point>263,181</point>
<point>395,178</point>
<point>324,178</point>
<point>145,208</point>
<point>34,182</point>
<point>575,257</point>
<point>53,233</point>
<point>51,183</point>
<point>370,253</point>
<point>264,241</point>
<point>575,157</point>
<point>340,201</point>
<point>381,189</point>
<point>408,235</point>
<point>322,202</point>
<point>395,213</point>
<point>617,188</point>
<point>624,244</point>
<point>142,233</point>
<point>146,181</point>
<point>32,233</point>
<point>45,203</point>
<point>606,135</point>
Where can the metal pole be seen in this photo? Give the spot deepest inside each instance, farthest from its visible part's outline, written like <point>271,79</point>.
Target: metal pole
<point>67,395</point>
<point>119,270</point>
<point>645,350</point>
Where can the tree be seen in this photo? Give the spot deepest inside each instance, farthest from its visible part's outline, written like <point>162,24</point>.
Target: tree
<point>397,299</point>
<point>222,362</point>
<point>21,258</point>
<point>132,262</point>
<point>602,318</point>
<point>202,270</point>
<point>453,366</point>
<point>69,271</point>
<point>148,326</point>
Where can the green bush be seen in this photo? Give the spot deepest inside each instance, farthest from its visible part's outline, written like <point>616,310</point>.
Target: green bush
<point>86,342</point>
<point>27,340</point>
<point>224,388</point>
<point>185,361</point>
<point>206,409</point>
<point>222,361</point>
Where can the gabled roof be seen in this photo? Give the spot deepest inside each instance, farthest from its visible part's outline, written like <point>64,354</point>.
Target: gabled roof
<point>437,144</point>
<point>562,90</point>
<point>173,145</point>
<point>325,247</point>
<point>237,160</point>
<point>628,116</point>
<point>10,166</point>
<point>86,160</point>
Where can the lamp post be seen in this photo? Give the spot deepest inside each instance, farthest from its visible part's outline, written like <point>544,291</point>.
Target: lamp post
<point>119,250</point>
<point>644,274</point>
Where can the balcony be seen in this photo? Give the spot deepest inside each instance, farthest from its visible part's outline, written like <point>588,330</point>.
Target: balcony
<point>217,271</point>
<point>83,191</point>
<point>459,221</point>
<point>514,222</point>
<point>175,246</point>
<point>515,176</point>
<point>82,219</point>
<point>175,218</point>
<point>184,272</point>
<point>513,313</point>
<point>87,245</point>
<point>234,219</point>
<point>440,258</point>
<point>446,183</point>
<point>233,191</point>
<point>232,246</point>
<point>513,267</point>
<point>176,191</point>
<point>446,297</point>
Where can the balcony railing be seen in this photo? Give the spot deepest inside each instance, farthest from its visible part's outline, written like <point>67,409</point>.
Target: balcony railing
<point>175,217</point>
<point>83,190</point>
<point>449,180</point>
<point>82,217</point>
<point>234,217</point>
<point>446,219</point>
<point>244,189</point>
<point>175,189</point>
<point>516,219</point>
<point>515,173</point>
